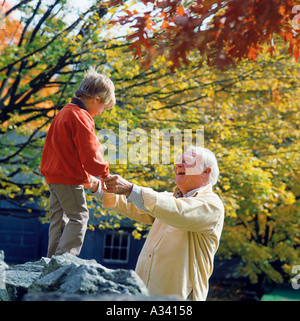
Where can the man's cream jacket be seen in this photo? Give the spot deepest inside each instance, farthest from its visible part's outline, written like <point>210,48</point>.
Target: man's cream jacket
<point>177,257</point>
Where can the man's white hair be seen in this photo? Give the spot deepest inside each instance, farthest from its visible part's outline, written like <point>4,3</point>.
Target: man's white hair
<point>206,158</point>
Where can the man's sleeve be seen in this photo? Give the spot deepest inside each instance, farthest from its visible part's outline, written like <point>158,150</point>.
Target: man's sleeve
<point>196,214</point>
<point>99,193</point>
<point>89,148</point>
<point>121,204</point>
<point>136,198</point>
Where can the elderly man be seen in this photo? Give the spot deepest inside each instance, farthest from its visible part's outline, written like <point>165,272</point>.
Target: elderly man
<point>177,257</point>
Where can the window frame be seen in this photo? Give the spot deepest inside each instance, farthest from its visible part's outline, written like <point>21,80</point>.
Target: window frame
<point>119,247</point>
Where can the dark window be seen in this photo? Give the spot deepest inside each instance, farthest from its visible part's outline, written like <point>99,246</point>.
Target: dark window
<point>116,247</point>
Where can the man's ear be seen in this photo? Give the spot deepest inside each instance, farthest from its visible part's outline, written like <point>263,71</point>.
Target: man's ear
<point>207,171</point>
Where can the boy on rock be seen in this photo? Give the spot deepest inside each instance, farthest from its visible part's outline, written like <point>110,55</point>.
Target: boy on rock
<point>72,155</point>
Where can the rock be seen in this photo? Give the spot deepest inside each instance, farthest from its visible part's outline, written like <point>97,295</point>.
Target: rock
<point>3,265</point>
<point>59,261</point>
<point>67,276</point>
<point>37,266</point>
<point>72,275</point>
<point>17,279</point>
<point>57,296</point>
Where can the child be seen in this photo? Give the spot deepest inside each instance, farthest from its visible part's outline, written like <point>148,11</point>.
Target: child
<point>72,153</point>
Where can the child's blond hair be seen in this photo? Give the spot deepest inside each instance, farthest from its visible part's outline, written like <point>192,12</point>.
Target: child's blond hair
<point>98,86</point>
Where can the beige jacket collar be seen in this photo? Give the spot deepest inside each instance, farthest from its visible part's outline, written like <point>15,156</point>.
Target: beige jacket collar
<point>192,193</point>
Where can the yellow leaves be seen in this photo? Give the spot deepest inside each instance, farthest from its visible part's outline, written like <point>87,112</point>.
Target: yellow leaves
<point>289,198</point>
<point>112,10</point>
<point>136,235</point>
<point>211,93</point>
<point>90,227</point>
<point>96,16</point>
<point>154,105</point>
<point>231,206</point>
<point>139,226</point>
<point>97,215</point>
<point>223,135</point>
<point>128,74</point>
<point>162,63</point>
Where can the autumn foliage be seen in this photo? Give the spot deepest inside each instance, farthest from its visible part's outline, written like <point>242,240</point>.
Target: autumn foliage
<point>221,32</point>
<point>249,114</point>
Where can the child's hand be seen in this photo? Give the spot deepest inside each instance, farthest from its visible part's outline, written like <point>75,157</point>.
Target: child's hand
<point>93,185</point>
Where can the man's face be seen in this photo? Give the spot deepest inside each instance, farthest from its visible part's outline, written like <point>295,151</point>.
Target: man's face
<point>188,169</point>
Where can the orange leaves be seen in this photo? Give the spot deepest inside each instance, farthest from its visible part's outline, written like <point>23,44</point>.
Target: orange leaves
<point>10,29</point>
<point>221,32</point>
<point>180,11</point>
<point>253,52</point>
<point>165,24</point>
<point>149,23</point>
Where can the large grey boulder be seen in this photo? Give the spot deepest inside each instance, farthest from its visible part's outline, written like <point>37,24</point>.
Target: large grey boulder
<point>67,275</point>
<point>16,279</point>
<point>70,274</point>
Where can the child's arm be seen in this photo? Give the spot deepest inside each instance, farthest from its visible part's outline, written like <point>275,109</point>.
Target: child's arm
<point>89,148</point>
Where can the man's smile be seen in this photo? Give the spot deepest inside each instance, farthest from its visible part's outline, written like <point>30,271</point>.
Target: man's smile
<point>179,171</point>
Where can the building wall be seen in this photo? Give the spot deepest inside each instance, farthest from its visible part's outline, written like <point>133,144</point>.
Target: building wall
<point>97,245</point>
<point>24,238</point>
<point>21,238</point>
<point>22,235</point>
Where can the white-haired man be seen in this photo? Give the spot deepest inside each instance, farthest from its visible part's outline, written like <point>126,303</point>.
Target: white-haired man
<point>177,257</point>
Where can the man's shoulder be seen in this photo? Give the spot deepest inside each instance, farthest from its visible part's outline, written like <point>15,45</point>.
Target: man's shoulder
<point>211,197</point>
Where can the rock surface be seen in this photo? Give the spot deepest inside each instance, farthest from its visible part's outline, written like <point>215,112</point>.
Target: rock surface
<point>3,265</point>
<point>56,296</point>
<point>66,275</point>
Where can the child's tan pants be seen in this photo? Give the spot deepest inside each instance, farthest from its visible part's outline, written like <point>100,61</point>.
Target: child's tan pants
<point>68,220</point>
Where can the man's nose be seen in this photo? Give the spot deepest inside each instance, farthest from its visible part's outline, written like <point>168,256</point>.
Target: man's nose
<point>179,165</point>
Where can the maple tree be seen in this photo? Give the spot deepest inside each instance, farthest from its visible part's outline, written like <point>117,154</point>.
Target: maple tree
<point>220,32</point>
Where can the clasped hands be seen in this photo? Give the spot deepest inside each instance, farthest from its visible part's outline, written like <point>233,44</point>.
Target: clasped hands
<point>111,184</point>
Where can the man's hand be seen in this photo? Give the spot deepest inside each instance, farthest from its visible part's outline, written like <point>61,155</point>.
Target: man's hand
<point>118,185</point>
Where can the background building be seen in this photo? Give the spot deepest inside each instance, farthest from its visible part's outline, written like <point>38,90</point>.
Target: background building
<point>24,237</point>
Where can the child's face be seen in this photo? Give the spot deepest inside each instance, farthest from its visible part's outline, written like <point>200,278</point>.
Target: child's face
<point>96,108</point>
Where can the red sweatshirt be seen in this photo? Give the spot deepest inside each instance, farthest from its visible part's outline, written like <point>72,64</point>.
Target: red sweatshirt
<point>72,150</point>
